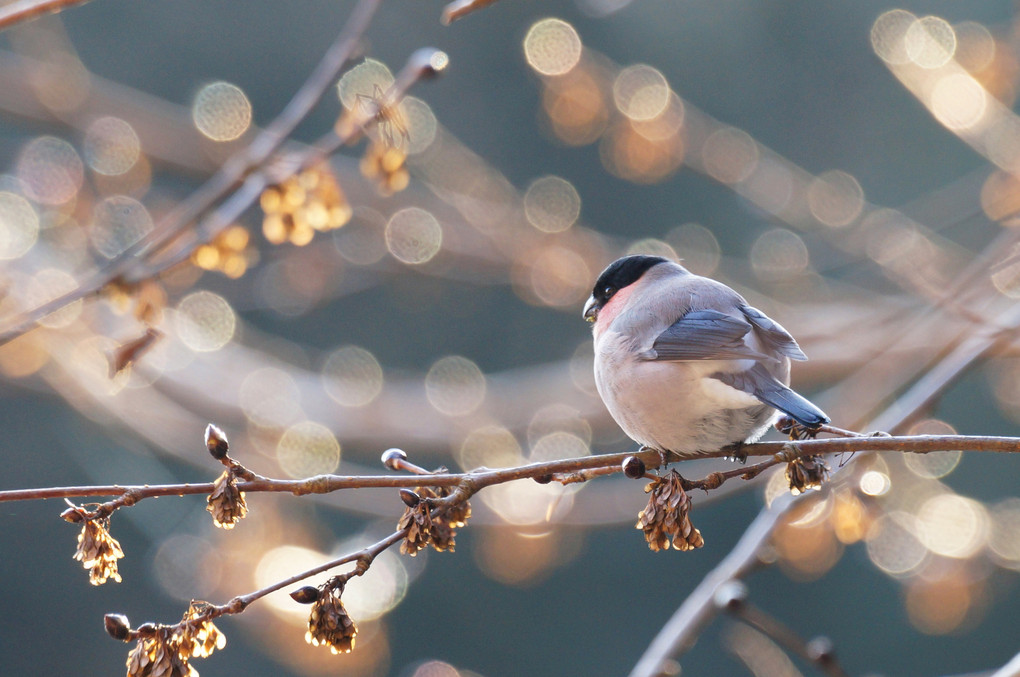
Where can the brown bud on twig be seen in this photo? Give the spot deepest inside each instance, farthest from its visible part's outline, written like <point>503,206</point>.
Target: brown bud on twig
<point>306,595</point>
<point>821,650</point>
<point>117,626</point>
<point>391,458</point>
<point>429,60</point>
<point>634,467</point>
<point>667,517</point>
<point>731,595</point>
<point>409,498</point>
<point>216,442</point>
<point>74,515</point>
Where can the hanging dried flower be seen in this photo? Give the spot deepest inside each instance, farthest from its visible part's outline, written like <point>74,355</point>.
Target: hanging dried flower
<point>98,551</point>
<point>807,472</point>
<point>230,253</point>
<point>226,502</point>
<point>156,655</point>
<point>328,622</point>
<point>303,204</point>
<point>198,639</point>
<point>667,515</point>
<point>444,527</point>
<point>418,522</point>
<point>387,165</point>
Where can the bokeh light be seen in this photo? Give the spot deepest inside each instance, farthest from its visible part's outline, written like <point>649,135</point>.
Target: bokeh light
<point>552,204</point>
<point>111,146</point>
<point>413,236</point>
<point>363,85</point>
<point>930,42</point>
<point>269,397</point>
<point>352,376</point>
<point>975,46</point>
<point>422,125</point>
<point>117,223</point>
<point>557,446</point>
<point>575,104</point>
<point>875,483</point>
<point>455,386</point>
<point>652,246</point>
<point>696,246</point>
<point>48,284</point>
<point>205,321</point>
<point>187,567</point>
<point>770,186</point>
<point>435,669</point>
<point>953,526</point>
<point>281,562</point>
<point>940,606</point>
<point>221,111</point>
<point>362,240</point>
<point>936,463</point>
<point>306,449</point>
<point>552,47</point>
<point>779,254</point>
<point>888,35</point>
<point>1004,535</point>
<point>893,545</point>
<point>958,101</point>
<point>729,155</point>
<point>379,589</point>
<point>19,226</point>
<point>560,276</point>
<point>50,170</point>
<point>490,446</point>
<point>641,92</point>
<point>835,198</point>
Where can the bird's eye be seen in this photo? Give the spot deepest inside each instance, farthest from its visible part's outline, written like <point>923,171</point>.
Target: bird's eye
<point>609,291</point>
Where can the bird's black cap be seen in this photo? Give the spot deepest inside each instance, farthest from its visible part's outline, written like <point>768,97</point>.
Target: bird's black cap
<point>621,273</point>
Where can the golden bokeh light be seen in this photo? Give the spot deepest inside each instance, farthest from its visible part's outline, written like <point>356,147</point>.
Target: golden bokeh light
<point>279,563</point>
<point>938,607</point>
<point>413,236</point>
<point>953,526</point>
<point>934,464</point>
<point>893,545</point>
<point>779,254</point>
<point>552,47</point>
<point>50,170</point>
<point>729,155</point>
<point>19,226</point>
<point>835,198</point>
<point>526,502</point>
<point>958,101</point>
<point>888,35</point>
<point>575,105</point>
<point>557,446</point>
<point>221,111</point>
<point>875,483</point>
<point>696,246</point>
<point>306,449</point>
<point>930,42</point>
<point>632,156</point>
<point>23,357</point>
<point>117,223</point>
<point>559,276</point>
<point>490,446</point>
<point>558,418</point>
<point>770,186</point>
<point>552,204</point>
<point>1000,196</point>
<point>352,376</point>
<point>520,558</point>
<point>641,92</point>
<point>205,321</point>
<point>270,398</point>
<point>111,146</point>
<point>455,386</point>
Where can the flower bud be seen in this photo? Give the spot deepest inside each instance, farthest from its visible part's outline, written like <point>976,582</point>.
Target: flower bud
<point>117,626</point>
<point>391,458</point>
<point>306,595</point>
<point>409,498</point>
<point>634,467</point>
<point>73,515</point>
<point>821,650</point>
<point>216,442</point>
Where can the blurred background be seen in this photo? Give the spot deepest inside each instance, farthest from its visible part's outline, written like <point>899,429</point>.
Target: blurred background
<point>850,167</point>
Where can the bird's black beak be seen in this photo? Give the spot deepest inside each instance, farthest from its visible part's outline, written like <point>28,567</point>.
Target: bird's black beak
<point>591,311</point>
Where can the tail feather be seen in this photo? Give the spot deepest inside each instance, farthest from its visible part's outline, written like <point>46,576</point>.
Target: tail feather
<point>759,382</point>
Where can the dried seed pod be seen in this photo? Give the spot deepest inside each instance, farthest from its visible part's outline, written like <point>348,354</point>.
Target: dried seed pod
<point>329,622</point>
<point>226,502</point>
<point>634,467</point>
<point>216,442</point>
<point>807,472</point>
<point>117,626</point>
<point>98,551</point>
<point>417,520</point>
<point>391,458</point>
<point>666,517</point>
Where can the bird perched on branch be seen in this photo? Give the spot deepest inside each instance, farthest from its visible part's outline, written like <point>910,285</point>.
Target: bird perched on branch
<point>684,364</point>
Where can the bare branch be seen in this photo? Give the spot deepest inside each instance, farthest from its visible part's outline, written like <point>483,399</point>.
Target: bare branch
<point>25,10</point>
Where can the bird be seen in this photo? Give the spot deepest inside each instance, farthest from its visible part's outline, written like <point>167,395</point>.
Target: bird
<point>684,364</point>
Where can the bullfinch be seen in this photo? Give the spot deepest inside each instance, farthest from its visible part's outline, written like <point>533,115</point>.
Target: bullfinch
<point>684,364</point>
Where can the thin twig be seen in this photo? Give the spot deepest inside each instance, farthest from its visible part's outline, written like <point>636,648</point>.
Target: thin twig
<point>785,637</point>
<point>24,10</point>
<point>560,470</point>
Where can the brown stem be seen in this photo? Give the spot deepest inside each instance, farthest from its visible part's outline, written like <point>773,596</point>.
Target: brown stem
<point>785,637</point>
<point>23,10</point>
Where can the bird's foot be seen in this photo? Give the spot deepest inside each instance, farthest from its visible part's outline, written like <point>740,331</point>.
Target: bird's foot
<point>737,453</point>
<point>795,430</point>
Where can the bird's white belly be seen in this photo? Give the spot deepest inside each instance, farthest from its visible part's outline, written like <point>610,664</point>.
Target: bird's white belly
<point>677,406</point>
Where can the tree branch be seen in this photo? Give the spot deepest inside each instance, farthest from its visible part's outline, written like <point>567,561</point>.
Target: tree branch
<point>24,10</point>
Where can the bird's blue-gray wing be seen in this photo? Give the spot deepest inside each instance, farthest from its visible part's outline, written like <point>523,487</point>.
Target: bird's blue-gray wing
<point>759,382</point>
<point>705,335</point>
<point>774,338</point>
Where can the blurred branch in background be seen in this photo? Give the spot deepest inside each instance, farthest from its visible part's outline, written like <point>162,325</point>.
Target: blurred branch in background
<point>195,316</point>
